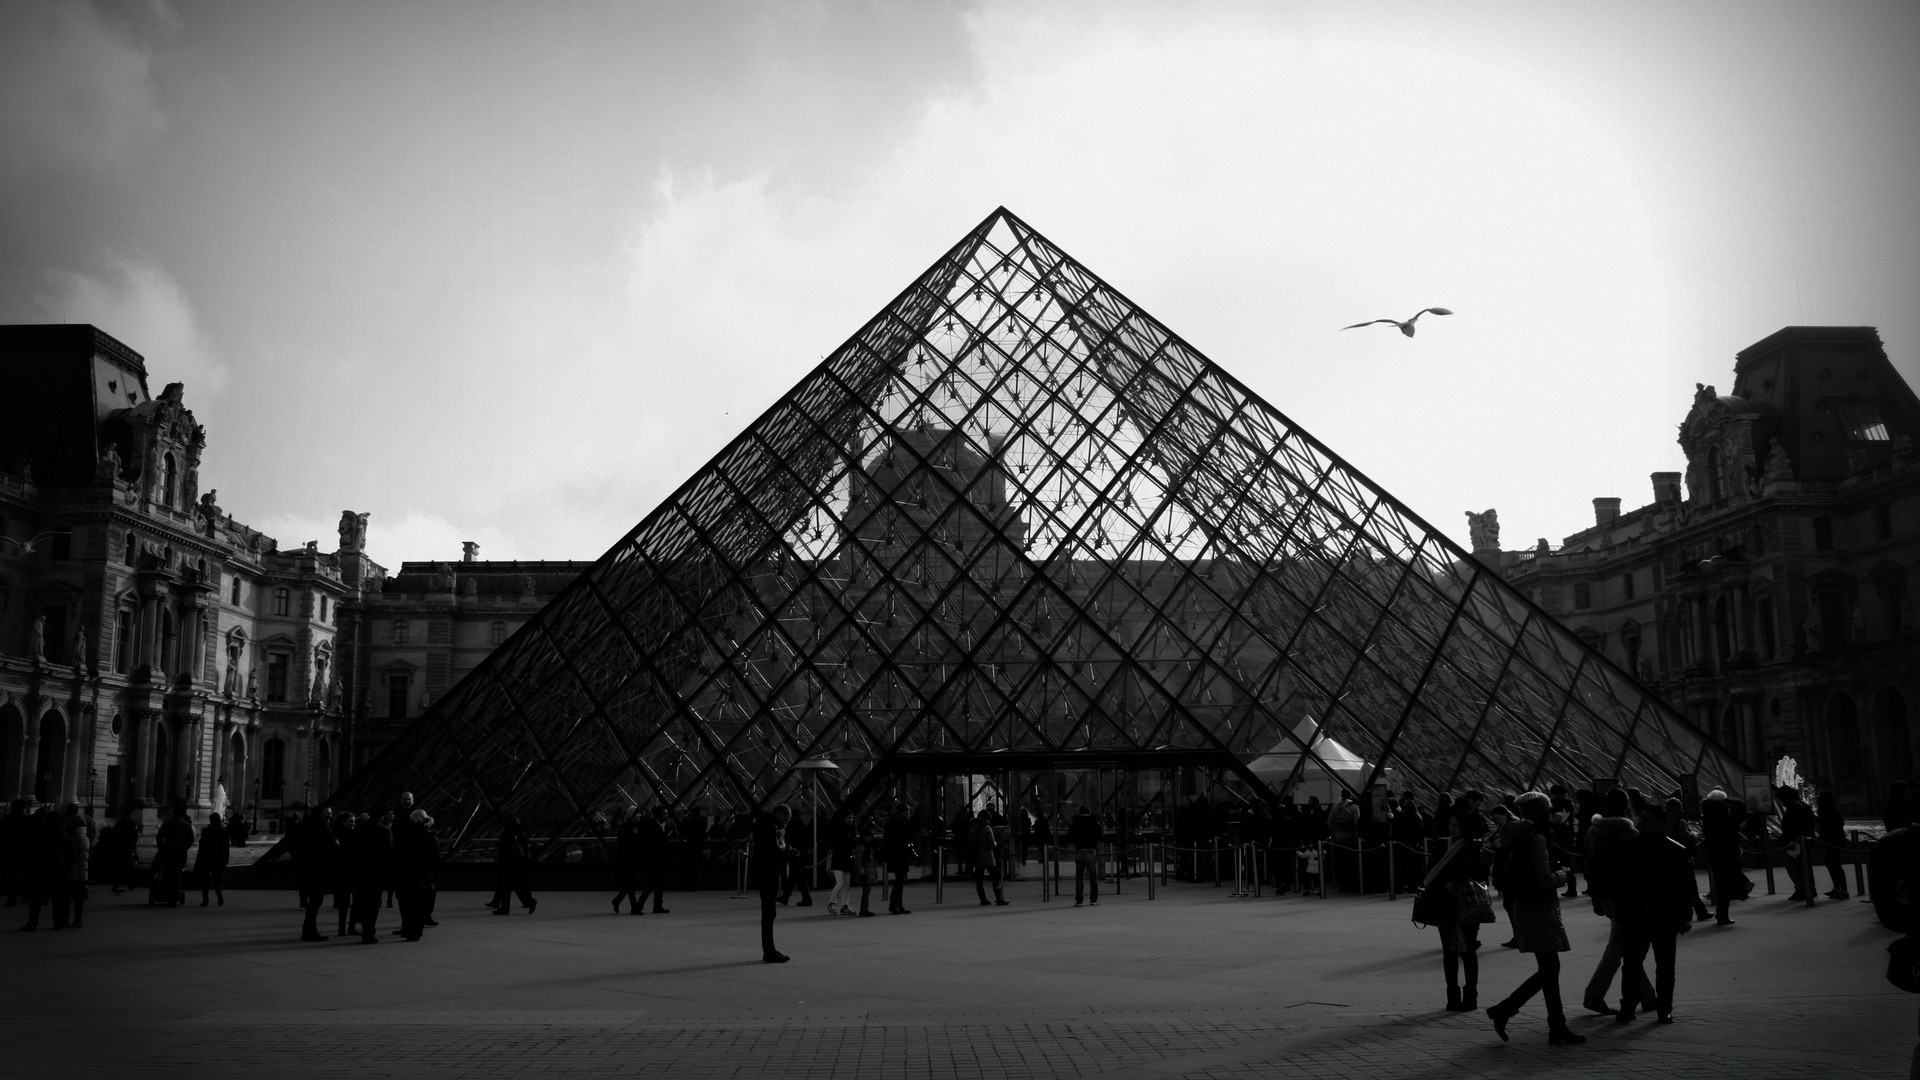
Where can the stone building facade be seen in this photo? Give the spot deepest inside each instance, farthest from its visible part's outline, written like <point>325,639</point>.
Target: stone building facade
<point>421,630</point>
<point>1767,591</point>
<point>152,649</point>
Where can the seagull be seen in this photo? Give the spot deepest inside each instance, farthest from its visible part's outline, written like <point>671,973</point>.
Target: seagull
<point>27,547</point>
<point>1405,327</point>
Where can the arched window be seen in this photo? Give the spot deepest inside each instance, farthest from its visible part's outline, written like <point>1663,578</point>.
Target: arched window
<point>131,554</point>
<point>170,483</point>
<point>273,769</point>
<point>497,633</point>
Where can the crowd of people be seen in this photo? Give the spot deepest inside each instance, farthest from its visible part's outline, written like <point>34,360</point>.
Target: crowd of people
<point>1639,856</point>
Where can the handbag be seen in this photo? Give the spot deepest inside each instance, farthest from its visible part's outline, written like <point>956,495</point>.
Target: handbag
<point>1434,907</point>
<point>1903,964</point>
<point>1476,903</point>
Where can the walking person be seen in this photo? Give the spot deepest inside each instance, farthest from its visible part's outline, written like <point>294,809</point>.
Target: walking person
<point>1525,872</point>
<point>416,860</point>
<point>43,865</point>
<point>656,858</point>
<point>1455,872</point>
<point>315,851</point>
<point>867,862</point>
<point>1653,889</point>
<point>1606,837</point>
<point>768,861</point>
<point>1084,834</point>
<point>511,869</point>
<point>983,847</point>
<point>1832,830</point>
<point>799,869</point>
<point>210,861</point>
<point>896,849</point>
<point>342,873</point>
<point>1720,840</point>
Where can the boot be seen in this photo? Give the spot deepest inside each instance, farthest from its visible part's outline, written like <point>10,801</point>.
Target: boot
<point>1470,990</point>
<point>219,898</point>
<point>1564,1036</point>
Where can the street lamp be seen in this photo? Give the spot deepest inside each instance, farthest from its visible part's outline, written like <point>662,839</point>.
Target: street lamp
<point>814,766</point>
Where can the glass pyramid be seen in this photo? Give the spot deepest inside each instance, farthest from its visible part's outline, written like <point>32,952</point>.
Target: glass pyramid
<point>1016,523</point>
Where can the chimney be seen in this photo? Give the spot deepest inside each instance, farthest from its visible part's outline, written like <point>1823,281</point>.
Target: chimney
<point>1605,511</point>
<point>1666,487</point>
<point>470,551</point>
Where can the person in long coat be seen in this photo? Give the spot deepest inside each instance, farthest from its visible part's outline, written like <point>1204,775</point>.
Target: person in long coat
<point>316,854</point>
<point>983,850</point>
<point>1720,841</point>
<point>210,861</point>
<point>342,881</point>
<point>416,860</point>
<point>71,901</point>
<point>1653,892</point>
<point>1537,929</point>
<point>371,860</point>
<point>43,865</point>
<point>656,859</point>
<point>173,842</point>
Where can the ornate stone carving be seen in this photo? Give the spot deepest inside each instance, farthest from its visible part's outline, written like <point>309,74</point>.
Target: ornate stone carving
<point>38,648</point>
<point>80,647</point>
<point>1779,467</point>
<point>353,531</point>
<point>1810,629</point>
<point>1484,529</point>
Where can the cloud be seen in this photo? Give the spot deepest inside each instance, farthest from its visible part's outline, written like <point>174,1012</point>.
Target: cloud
<point>76,94</point>
<point>138,302</point>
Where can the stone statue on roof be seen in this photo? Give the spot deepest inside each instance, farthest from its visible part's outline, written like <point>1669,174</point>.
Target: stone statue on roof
<point>1484,529</point>
<point>353,531</point>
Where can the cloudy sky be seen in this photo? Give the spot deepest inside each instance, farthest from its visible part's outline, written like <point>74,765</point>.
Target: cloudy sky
<point>511,272</point>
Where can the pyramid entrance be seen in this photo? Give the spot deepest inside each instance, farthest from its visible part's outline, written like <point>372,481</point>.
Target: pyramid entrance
<point>1012,524</point>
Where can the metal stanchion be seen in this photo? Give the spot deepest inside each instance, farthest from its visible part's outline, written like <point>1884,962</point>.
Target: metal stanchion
<point>1239,871</point>
<point>740,858</point>
<point>1766,861</point>
<point>1859,867</point>
<point>1046,884</point>
<point>939,873</point>
<point>1320,855</point>
<point>1807,884</point>
<point>1150,868</point>
<point>1393,891</point>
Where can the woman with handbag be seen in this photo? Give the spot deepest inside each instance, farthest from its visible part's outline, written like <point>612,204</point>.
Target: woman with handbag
<point>1459,903</point>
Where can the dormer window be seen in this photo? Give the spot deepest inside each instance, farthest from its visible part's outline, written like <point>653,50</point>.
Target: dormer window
<point>171,482</point>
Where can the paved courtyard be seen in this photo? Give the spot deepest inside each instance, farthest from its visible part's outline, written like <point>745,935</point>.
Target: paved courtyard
<point>1193,983</point>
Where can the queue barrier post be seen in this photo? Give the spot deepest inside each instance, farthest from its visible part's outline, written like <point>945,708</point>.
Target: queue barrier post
<point>1149,856</point>
<point>939,873</point>
<point>1859,868</point>
<point>740,866</point>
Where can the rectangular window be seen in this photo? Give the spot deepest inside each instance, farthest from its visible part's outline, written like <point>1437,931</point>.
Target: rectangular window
<point>1582,596</point>
<point>397,686</point>
<point>497,634</point>
<point>279,665</point>
<point>123,642</point>
<point>60,546</point>
<point>282,601</point>
<point>1763,627</point>
<point>1630,643</point>
<point>1860,421</point>
<point>1822,534</point>
<point>236,590</point>
<point>1626,585</point>
<point>400,631</point>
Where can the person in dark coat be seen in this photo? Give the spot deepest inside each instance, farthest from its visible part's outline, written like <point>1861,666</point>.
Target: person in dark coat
<point>371,860</point>
<point>1526,872</point>
<point>626,861</point>
<point>1456,867</point>
<point>1653,890</point>
<point>416,858</point>
<point>315,854</point>
<point>512,870</point>
<point>1083,836</point>
<point>210,861</point>
<point>896,850</point>
<point>1798,828</point>
<point>120,854</point>
<point>799,862</point>
<point>342,883</point>
<point>43,865</point>
<point>173,842</point>
<point>983,850</point>
<point>1720,842</point>
<point>656,859</point>
<point>76,848</point>
<point>1833,845</point>
<point>767,862</point>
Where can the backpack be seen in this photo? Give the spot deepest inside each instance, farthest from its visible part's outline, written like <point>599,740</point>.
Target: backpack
<point>1513,867</point>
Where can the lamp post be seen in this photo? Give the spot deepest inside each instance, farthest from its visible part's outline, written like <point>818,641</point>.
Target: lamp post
<point>814,766</point>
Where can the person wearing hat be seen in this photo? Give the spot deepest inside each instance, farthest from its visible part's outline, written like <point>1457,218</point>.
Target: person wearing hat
<point>1720,842</point>
<point>1525,872</point>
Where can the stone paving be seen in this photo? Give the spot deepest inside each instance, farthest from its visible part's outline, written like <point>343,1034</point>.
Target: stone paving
<point>1193,983</point>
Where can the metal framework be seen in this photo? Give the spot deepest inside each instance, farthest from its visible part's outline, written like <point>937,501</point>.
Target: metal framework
<point>1015,519</point>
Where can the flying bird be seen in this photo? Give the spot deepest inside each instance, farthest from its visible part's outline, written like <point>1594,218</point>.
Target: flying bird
<point>1405,327</point>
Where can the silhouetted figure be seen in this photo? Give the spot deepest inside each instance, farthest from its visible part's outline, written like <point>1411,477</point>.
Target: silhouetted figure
<point>315,854</point>
<point>512,869</point>
<point>210,861</point>
<point>43,865</point>
<point>896,848</point>
<point>70,902</point>
<point>767,862</point>
<point>1798,828</point>
<point>1720,842</point>
<point>1653,892</point>
<point>416,860</point>
<point>626,862</point>
<point>656,858</point>
<point>1833,845</point>
<point>1084,834</point>
<point>371,859</point>
<point>172,843</point>
<point>983,847</point>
